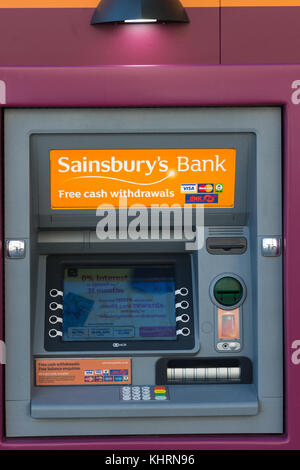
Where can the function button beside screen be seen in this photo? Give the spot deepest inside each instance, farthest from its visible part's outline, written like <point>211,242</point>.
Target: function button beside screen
<point>55,293</point>
<point>183,304</point>
<point>184,332</point>
<point>183,318</point>
<point>54,333</point>
<point>54,319</point>
<point>183,291</point>
<point>55,306</point>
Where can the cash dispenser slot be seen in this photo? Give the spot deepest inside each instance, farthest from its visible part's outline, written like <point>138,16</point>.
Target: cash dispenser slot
<point>226,246</point>
<point>204,371</point>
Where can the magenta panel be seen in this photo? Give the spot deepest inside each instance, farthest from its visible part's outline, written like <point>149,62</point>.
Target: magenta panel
<point>64,37</point>
<point>1,279</point>
<point>260,35</point>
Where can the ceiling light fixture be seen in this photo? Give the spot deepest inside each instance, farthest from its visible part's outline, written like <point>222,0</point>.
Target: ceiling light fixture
<point>139,11</point>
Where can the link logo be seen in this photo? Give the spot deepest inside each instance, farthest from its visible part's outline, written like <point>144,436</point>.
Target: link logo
<point>201,198</point>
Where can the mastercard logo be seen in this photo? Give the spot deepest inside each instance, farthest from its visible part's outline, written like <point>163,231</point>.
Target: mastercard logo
<point>205,188</point>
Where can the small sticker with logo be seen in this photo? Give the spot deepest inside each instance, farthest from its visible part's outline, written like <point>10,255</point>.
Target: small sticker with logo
<point>118,378</point>
<point>119,372</point>
<point>81,371</point>
<point>108,378</point>
<point>89,378</point>
<point>219,188</point>
<point>98,378</point>
<point>201,198</point>
<point>188,188</point>
<point>205,188</point>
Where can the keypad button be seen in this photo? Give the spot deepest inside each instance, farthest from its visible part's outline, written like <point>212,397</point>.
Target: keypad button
<point>143,393</point>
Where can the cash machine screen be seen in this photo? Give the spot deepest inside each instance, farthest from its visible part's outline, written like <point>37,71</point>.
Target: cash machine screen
<point>121,302</point>
<point>138,302</point>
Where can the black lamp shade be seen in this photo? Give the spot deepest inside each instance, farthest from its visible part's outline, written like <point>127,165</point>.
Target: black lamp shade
<point>120,11</point>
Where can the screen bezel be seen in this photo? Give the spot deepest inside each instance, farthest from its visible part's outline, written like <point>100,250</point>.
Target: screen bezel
<point>182,264</point>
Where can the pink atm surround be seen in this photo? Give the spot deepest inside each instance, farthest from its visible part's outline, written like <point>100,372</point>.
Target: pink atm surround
<point>182,86</point>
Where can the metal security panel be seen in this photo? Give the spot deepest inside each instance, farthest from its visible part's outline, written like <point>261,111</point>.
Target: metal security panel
<point>229,379</point>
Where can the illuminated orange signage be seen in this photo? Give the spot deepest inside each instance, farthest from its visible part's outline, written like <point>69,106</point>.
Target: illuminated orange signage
<point>85,179</point>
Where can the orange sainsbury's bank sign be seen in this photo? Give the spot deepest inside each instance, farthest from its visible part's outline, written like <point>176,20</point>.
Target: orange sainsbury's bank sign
<point>84,179</point>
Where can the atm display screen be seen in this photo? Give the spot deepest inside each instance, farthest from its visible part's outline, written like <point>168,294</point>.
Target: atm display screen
<point>119,303</point>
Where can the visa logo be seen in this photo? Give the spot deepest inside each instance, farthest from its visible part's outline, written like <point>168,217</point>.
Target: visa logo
<point>188,188</point>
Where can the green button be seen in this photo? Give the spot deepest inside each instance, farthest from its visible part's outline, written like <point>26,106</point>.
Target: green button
<point>228,291</point>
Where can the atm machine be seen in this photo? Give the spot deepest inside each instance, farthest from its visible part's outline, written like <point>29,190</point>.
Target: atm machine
<point>150,187</point>
<point>143,335</point>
